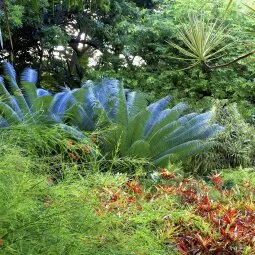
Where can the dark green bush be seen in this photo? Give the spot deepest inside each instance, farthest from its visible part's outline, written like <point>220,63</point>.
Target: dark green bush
<point>234,146</point>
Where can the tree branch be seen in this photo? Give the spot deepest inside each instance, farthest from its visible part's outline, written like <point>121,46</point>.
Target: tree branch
<point>8,24</point>
<point>231,62</point>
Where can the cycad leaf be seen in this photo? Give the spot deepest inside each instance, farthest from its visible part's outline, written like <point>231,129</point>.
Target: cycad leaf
<point>9,70</point>
<point>29,75</point>
<point>41,108</point>
<point>78,117</point>
<point>42,92</point>
<point>10,76</point>
<point>201,118</point>
<point>135,128</point>
<point>211,131</point>
<point>121,116</point>
<point>160,105</point>
<point>164,118</point>
<point>73,132</point>
<point>93,106</point>
<point>28,81</point>
<point>184,119</point>
<point>4,93</point>
<point>155,109</point>
<point>135,103</point>
<point>3,123</point>
<point>15,106</point>
<point>61,102</point>
<point>163,132</point>
<point>139,149</point>
<point>9,114</point>
<point>182,151</point>
<point>183,134</point>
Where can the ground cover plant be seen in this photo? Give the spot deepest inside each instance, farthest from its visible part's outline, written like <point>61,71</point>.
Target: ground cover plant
<point>119,214</point>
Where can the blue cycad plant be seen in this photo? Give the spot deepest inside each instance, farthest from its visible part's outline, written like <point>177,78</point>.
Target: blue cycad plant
<point>26,103</point>
<point>154,131</point>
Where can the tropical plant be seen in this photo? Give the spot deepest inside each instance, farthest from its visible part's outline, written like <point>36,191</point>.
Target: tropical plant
<point>235,145</point>
<point>155,131</point>
<point>142,131</point>
<point>27,104</point>
<point>204,41</point>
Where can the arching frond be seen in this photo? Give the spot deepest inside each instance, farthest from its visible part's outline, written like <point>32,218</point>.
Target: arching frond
<point>43,93</point>
<point>28,82</point>
<point>9,114</point>
<point>135,102</point>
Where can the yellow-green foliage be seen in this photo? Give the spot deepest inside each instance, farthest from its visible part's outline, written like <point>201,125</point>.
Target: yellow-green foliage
<point>39,216</point>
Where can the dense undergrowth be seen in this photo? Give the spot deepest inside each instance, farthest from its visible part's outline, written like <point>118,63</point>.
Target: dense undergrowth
<point>66,191</point>
<point>85,211</point>
<point>100,168</point>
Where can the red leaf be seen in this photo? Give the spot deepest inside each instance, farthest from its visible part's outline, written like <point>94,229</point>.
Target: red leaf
<point>135,187</point>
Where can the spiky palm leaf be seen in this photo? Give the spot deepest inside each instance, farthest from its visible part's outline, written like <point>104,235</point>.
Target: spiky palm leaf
<point>28,103</point>
<point>28,83</point>
<point>1,39</point>
<point>203,40</point>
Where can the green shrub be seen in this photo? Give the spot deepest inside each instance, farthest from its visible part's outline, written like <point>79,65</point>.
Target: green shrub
<point>234,146</point>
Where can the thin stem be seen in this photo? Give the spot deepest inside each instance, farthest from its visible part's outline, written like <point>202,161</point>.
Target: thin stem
<point>231,62</point>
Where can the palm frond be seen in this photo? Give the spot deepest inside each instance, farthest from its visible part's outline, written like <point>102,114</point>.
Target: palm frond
<point>28,81</point>
<point>135,102</point>
<point>203,41</point>
<point>9,114</point>
<point>181,152</point>
<point>42,92</point>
